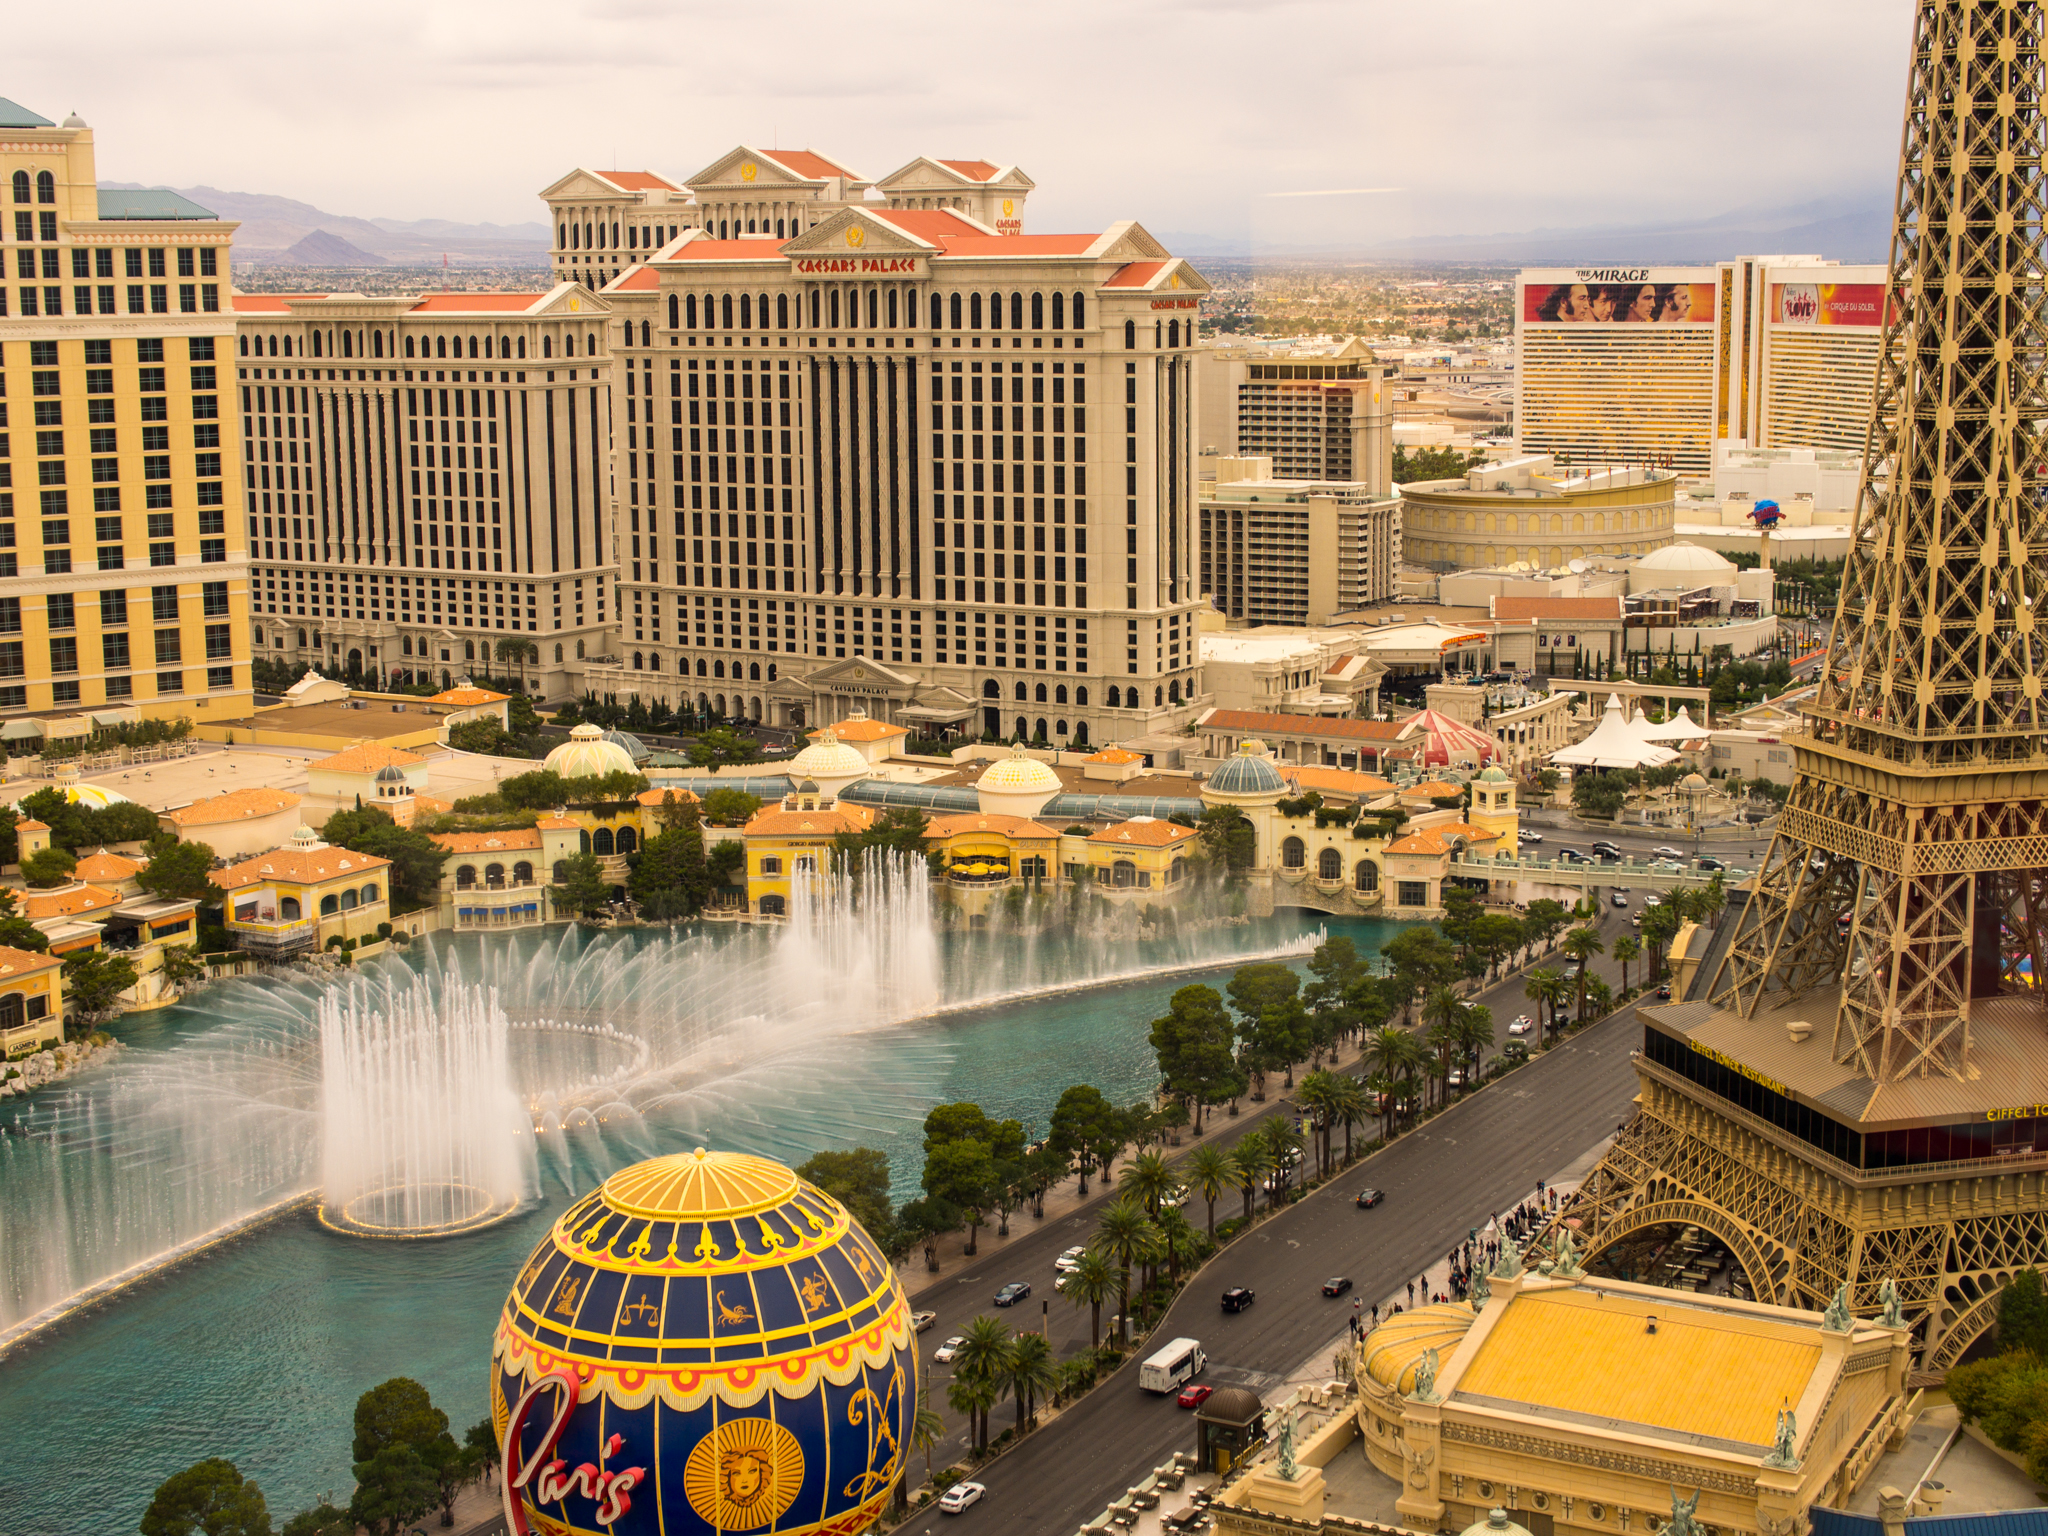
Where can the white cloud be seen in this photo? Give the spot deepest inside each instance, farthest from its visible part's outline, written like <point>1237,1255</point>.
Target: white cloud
<point>1491,114</point>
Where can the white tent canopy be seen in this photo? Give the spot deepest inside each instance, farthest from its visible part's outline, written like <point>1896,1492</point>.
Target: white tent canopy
<point>1680,727</point>
<point>1614,744</point>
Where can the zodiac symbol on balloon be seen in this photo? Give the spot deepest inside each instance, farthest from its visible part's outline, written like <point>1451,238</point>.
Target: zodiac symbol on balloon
<point>731,1315</point>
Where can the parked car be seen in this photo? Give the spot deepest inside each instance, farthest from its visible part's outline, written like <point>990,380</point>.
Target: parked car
<point>1237,1298</point>
<point>959,1496</point>
<point>1368,1198</point>
<point>1012,1293</point>
<point>1522,1025</point>
<point>949,1351</point>
<point>1336,1285</point>
<point>1621,898</point>
<point>923,1320</point>
<point>1194,1395</point>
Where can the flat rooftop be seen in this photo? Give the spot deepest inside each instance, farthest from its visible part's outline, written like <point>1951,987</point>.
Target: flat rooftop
<point>339,721</point>
<point>1076,782</point>
<point>2008,1066</point>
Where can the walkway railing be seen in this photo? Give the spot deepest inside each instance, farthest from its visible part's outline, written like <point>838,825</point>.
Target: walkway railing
<point>1580,872</point>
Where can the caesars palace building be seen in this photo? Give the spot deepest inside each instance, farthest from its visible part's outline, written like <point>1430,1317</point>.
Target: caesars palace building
<point>769,445</point>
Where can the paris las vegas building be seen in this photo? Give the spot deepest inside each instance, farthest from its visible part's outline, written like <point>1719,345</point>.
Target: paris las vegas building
<point>1659,366</point>
<point>803,451</point>
<point>123,574</point>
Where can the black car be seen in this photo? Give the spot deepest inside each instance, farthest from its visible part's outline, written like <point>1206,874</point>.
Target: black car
<point>1572,856</point>
<point>1606,851</point>
<point>1012,1293</point>
<point>1664,994</point>
<point>1336,1285</point>
<point>1709,862</point>
<point>1236,1299</point>
<point>1368,1198</point>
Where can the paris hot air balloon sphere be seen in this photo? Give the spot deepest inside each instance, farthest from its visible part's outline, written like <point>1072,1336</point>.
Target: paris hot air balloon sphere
<point>706,1345</point>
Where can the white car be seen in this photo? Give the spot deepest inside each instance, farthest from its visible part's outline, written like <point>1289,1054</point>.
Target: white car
<point>1071,1259</point>
<point>949,1351</point>
<point>1669,853</point>
<point>923,1320</point>
<point>959,1496</point>
<point>1522,1025</point>
<point>1529,837</point>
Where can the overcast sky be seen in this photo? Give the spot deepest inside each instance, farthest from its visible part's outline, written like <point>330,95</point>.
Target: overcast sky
<point>1193,115</point>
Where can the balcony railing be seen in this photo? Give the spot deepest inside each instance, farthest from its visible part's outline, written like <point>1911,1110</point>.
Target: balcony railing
<point>273,936</point>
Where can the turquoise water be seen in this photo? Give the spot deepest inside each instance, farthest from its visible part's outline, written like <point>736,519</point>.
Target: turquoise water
<point>259,1351</point>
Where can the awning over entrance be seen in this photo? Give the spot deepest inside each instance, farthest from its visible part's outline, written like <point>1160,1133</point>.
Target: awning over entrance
<point>937,712</point>
<point>21,730</point>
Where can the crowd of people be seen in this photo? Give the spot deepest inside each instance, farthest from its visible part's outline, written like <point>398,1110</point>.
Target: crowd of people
<point>1453,1280</point>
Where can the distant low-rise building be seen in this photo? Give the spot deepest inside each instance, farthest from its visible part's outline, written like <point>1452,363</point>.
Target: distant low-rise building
<point>241,821</point>
<point>31,1001</point>
<point>794,838</point>
<point>1142,854</point>
<point>1538,510</point>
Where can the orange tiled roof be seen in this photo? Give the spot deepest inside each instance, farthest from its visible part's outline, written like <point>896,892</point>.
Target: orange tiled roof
<point>975,821</point>
<point>808,163</point>
<point>431,805</point>
<point>1134,274</point>
<point>726,250</point>
<point>860,730</point>
<point>973,170</point>
<point>555,824</point>
<point>637,280</point>
<point>1433,790</point>
<point>367,758</point>
<point>25,962</point>
<point>31,825</point>
<point>464,697</point>
<point>1020,245</point>
<point>298,865</point>
<point>639,181</point>
<point>1251,722</point>
<point>777,822</point>
<point>235,805</point>
<point>934,224</point>
<point>1342,780</point>
<point>488,842</point>
<point>40,906</point>
<point>1145,834</point>
<point>654,797</point>
<point>1117,755</point>
<point>107,866</point>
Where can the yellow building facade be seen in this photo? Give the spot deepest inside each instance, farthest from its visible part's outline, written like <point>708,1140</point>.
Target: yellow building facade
<point>123,573</point>
<point>792,838</point>
<point>31,1001</point>
<point>296,898</point>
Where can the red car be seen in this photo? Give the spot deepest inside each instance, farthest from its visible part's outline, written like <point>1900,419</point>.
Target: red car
<point>1194,1395</point>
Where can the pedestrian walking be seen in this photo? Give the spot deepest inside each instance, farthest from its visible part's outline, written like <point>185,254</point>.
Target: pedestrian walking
<point>1411,1293</point>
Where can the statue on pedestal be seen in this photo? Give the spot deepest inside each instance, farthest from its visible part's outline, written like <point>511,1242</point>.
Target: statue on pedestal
<point>1682,1522</point>
<point>1894,1315</point>
<point>1288,1470</point>
<point>1837,1319</point>
<point>1784,1457</point>
<point>1425,1379</point>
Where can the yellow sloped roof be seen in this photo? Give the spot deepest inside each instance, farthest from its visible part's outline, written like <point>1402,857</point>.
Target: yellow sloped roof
<point>1701,1372</point>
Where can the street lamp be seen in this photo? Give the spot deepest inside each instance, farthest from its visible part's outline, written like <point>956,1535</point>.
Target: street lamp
<point>1695,789</point>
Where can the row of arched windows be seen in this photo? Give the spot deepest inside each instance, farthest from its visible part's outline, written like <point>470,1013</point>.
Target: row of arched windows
<point>46,187</point>
<point>346,901</point>
<point>494,876</point>
<point>1025,731</point>
<point>604,842</point>
<point>1365,875</point>
<point>991,689</point>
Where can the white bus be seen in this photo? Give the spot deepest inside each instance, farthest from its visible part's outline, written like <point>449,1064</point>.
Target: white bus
<point>1179,1362</point>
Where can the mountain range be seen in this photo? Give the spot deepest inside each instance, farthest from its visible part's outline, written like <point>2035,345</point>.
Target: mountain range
<point>278,229</point>
<point>1846,229</point>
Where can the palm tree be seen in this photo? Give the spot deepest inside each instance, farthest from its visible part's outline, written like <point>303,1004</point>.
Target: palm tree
<point>1626,948</point>
<point>927,1429</point>
<point>1032,1373</point>
<point>1546,988</point>
<point>1212,1170</point>
<point>1582,944</point>
<point>1090,1283</point>
<point>973,1396</point>
<point>1176,1242</point>
<point>1347,1105</point>
<point>1390,1052</point>
<point>1126,1234</point>
<point>1712,898</point>
<point>1284,1141</point>
<point>1147,1178</point>
<point>510,649</point>
<point>1475,1034</point>
<point>1254,1160</point>
<point>1315,1095</point>
<point>984,1357</point>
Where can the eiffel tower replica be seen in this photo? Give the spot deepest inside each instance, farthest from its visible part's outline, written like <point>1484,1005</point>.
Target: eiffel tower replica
<point>1855,1088</point>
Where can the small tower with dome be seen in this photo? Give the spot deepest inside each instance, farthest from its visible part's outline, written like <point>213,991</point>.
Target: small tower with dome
<point>830,764</point>
<point>1250,783</point>
<point>1017,785</point>
<point>587,755</point>
<point>1493,805</point>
